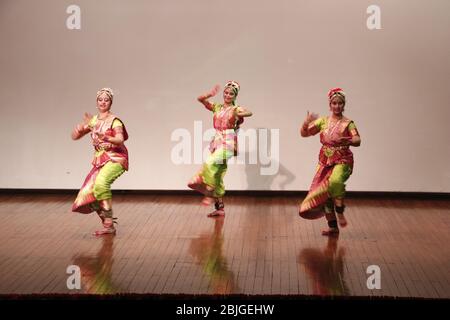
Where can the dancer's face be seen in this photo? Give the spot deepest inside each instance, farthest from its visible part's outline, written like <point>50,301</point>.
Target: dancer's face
<point>337,106</point>
<point>103,103</point>
<point>228,96</point>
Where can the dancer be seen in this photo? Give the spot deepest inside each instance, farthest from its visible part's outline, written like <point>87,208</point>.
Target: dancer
<point>227,119</point>
<point>327,191</point>
<point>108,134</point>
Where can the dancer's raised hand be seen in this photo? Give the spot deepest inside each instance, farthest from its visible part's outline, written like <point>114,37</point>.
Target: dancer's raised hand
<point>87,118</point>
<point>213,91</point>
<point>310,117</point>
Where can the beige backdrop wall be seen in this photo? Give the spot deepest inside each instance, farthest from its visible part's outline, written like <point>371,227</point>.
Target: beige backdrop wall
<point>160,55</point>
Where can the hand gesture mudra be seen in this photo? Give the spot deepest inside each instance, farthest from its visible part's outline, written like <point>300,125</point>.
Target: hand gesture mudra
<point>83,126</point>
<point>214,91</point>
<point>87,118</point>
<point>310,117</point>
<point>343,141</point>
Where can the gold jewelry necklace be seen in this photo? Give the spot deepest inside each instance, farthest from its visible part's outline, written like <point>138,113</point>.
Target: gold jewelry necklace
<point>98,117</point>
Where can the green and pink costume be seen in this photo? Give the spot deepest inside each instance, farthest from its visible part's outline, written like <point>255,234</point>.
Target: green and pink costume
<point>334,168</point>
<point>110,161</point>
<point>209,180</point>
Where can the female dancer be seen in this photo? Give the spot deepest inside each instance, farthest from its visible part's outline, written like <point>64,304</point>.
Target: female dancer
<point>337,134</point>
<point>108,134</point>
<point>227,118</point>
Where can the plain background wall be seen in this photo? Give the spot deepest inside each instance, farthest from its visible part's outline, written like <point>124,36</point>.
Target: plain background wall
<point>160,55</point>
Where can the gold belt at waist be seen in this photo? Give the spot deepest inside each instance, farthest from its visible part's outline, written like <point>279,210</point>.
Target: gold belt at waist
<point>336,148</point>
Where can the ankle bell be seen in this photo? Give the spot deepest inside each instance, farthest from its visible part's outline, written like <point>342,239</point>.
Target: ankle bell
<point>340,210</point>
<point>107,213</point>
<point>332,224</point>
<point>219,205</point>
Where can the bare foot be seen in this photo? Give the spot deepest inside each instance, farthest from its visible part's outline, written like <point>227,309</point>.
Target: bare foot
<point>197,184</point>
<point>108,227</point>
<point>104,231</point>
<point>330,232</point>
<point>341,219</point>
<point>207,201</point>
<point>217,213</point>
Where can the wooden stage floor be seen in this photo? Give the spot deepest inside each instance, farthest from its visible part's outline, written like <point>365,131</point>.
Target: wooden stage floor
<point>166,245</point>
